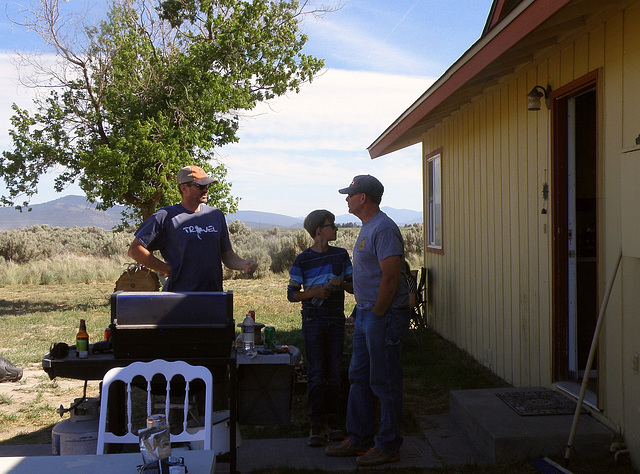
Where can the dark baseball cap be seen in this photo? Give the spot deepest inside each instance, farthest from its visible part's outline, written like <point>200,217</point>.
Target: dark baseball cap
<point>364,183</point>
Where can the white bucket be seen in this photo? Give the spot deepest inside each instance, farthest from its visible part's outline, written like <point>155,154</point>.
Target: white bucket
<point>220,427</point>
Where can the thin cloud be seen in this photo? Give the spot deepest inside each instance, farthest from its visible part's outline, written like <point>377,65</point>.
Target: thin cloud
<point>346,42</point>
<point>340,109</point>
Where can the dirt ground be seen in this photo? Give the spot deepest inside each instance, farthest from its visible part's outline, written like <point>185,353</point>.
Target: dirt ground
<point>29,405</point>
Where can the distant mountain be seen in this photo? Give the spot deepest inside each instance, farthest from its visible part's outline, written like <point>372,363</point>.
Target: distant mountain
<point>68,211</point>
<point>268,220</point>
<point>265,220</point>
<point>76,211</point>
<point>401,217</point>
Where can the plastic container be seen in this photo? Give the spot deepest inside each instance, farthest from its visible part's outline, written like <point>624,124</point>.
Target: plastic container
<point>220,427</point>
<point>248,333</point>
<point>317,302</point>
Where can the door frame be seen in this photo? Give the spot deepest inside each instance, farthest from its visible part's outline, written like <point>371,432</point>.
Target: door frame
<point>559,213</point>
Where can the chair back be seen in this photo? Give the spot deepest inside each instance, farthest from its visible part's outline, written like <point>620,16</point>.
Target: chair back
<point>418,323</point>
<point>423,287</point>
<point>147,371</point>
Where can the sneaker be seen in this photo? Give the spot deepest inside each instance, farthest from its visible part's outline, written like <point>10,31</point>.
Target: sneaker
<point>375,457</point>
<point>316,437</point>
<point>335,434</point>
<point>345,449</point>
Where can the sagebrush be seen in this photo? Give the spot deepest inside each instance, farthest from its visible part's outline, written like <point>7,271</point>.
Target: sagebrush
<point>46,255</point>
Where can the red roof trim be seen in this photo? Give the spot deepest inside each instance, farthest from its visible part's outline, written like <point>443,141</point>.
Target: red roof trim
<point>497,13</point>
<point>532,17</point>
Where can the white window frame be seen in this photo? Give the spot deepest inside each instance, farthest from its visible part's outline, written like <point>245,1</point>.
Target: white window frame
<point>433,164</point>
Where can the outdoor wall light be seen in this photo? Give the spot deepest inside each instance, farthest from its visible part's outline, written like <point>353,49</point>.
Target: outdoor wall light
<point>533,97</point>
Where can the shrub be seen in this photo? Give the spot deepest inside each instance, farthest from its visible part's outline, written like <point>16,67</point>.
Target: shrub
<point>51,255</point>
<point>42,242</point>
<point>283,252</point>
<point>15,248</point>
<point>238,228</point>
<point>413,239</point>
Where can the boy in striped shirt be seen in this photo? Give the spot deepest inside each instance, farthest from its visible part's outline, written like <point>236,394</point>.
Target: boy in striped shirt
<point>318,278</point>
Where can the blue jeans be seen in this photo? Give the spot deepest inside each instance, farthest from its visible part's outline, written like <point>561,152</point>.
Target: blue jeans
<point>324,344</point>
<point>375,374</point>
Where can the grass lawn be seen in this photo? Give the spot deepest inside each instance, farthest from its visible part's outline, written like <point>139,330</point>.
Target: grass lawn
<point>32,317</point>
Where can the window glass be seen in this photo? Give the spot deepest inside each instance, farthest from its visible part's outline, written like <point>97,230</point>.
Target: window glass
<point>434,202</point>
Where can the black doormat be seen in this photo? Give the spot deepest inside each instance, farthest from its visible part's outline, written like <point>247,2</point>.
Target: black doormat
<point>536,403</point>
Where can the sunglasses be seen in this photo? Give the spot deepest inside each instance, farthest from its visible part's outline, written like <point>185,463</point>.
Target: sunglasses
<point>201,187</point>
<point>333,226</point>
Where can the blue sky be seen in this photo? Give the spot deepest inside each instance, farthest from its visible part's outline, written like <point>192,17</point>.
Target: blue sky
<point>295,152</point>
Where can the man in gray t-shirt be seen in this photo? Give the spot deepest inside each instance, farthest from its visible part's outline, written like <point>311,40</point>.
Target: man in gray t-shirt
<point>382,316</point>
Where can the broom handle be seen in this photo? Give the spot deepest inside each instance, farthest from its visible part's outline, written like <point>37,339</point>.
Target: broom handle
<point>592,354</point>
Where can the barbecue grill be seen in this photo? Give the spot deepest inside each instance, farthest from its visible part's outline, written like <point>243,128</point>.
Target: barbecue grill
<point>171,325</point>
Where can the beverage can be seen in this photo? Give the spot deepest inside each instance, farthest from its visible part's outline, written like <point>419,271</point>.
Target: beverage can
<point>156,420</point>
<point>107,334</point>
<point>252,314</point>
<point>269,337</point>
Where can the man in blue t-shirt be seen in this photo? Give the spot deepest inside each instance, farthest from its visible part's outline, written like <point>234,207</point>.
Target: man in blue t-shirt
<point>192,238</point>
<point>382,318</point>
<point>318,278</point>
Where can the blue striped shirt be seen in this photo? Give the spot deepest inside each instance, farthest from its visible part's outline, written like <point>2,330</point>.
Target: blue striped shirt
<point>311,269</point>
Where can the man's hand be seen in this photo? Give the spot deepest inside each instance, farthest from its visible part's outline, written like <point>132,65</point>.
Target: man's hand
<point>164,274</point>
<point>233,261</point>
<point>249,266</point>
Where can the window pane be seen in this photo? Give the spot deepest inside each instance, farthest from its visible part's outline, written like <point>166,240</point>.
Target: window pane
<point>434,203</point>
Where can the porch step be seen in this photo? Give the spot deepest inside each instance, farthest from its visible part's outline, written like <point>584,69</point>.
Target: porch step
<point>499,433</point>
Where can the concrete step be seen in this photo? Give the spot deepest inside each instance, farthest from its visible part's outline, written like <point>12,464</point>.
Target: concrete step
<point>449,444</point>
<point>501,434</point>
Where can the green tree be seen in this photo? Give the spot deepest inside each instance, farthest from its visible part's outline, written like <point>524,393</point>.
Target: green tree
<point>148,90</point>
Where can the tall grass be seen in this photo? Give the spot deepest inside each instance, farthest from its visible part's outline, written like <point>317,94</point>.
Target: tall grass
<point>45,255</point>
<point>65,268</point>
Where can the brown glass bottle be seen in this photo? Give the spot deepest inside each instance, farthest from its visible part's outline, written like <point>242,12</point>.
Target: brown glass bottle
<point>82,341</point>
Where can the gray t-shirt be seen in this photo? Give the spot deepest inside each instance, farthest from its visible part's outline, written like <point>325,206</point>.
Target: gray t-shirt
<point>379,238</point>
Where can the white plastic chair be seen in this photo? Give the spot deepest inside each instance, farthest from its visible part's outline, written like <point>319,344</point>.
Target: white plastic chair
<point>147,370</point>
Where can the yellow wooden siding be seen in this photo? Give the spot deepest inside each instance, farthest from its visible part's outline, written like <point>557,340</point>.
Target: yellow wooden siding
<point>622,127</point>
<point>542,234</point>
<point>609,171</point>
<point>491,290</point>
<point>497,311</point>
